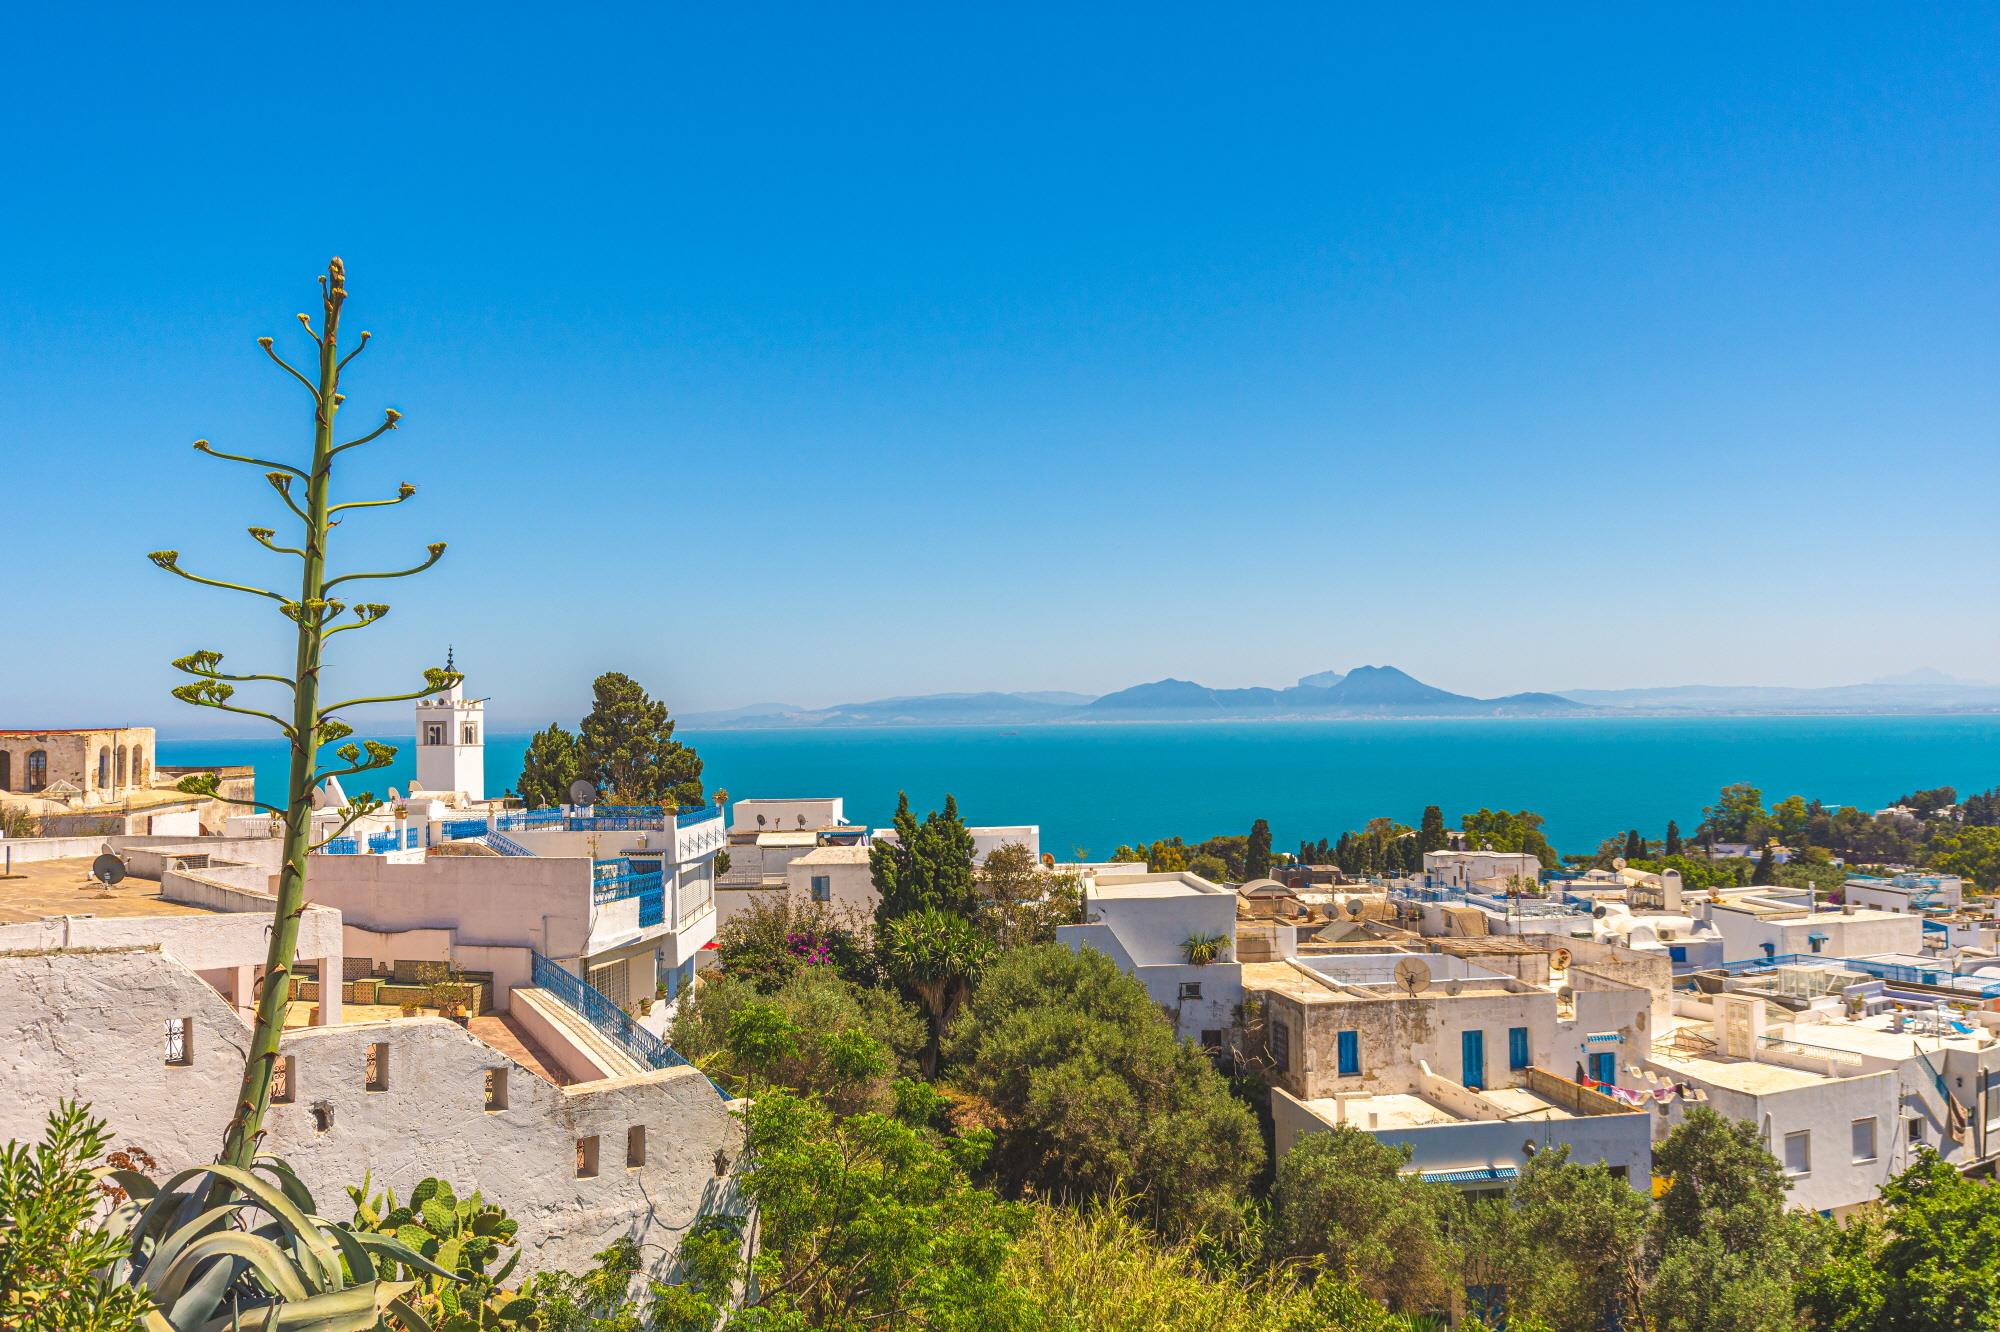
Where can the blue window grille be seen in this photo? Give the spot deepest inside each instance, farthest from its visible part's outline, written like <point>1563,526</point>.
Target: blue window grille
<point>409,839</point>
<point>1350,1053</point>
<point>1517,1048</point>
<point>652,907</point>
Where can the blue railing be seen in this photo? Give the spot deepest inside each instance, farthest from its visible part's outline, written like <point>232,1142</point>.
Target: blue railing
<point>607,1018</point>
<point>628,811</point>
<point>617,879</point>
<point>653,906</point>
<point>455,829</point>
<point>342,846</point>
<point>409,839</point>
<point>1941,976</point>
<point>689,815</point>
<point>506,846</point>
<point>530,819</point>
<point>380,842</point>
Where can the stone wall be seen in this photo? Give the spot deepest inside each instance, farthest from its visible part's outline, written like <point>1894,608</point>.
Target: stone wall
<point>92,1026</point>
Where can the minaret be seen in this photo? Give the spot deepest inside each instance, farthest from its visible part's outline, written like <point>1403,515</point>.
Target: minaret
<point>451,741</point>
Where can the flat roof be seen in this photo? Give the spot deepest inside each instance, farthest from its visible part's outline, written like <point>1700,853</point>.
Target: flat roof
<point>64,888</point>
<point>1404,1110</point>
<point>834,855</point>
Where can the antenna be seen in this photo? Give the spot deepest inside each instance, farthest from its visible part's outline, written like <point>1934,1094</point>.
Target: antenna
<point>582,792</point>
<point>1413,974</point>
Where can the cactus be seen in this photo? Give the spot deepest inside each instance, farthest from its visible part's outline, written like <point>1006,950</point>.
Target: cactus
<point>313,613</point>
<point>459,1235</point>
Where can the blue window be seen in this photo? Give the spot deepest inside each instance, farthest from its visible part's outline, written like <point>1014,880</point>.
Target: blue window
<point>1472,1048</point>
<point>822,886</point>
<point>1604,1067</point>
<point>1517,1048</point>
<point>1350,1053</point>
<point>1677,952</point>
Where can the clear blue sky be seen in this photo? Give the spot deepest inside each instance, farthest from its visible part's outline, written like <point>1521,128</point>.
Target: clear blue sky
<point>822,353</point>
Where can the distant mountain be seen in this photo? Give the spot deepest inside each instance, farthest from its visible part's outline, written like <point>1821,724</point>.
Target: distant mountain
<point>1899,695</point>
<point>1365,691</point>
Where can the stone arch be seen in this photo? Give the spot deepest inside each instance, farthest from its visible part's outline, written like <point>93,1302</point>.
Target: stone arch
<point>103,766</point>
<point>37,774</point>
<point>124,764</point>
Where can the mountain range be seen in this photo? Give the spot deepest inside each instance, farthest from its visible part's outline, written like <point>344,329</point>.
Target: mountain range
<point>1365,691</point>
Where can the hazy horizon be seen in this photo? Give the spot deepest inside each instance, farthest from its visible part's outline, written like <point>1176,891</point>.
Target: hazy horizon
<point>1036,350</point>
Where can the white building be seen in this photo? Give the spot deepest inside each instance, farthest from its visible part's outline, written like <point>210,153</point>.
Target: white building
<point>988,839</point>
<point>766,836</point>
<point>1910,894</point>
<point>1846,1067</point>
<point>1491,870</point>
<point>836,877</point>
<point>1778,922</point>
<point>451,742</point>
<point>1149,924</point>
<point>584,1129</point>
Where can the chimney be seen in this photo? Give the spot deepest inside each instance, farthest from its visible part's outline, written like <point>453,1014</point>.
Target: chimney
<point>1670,886</point>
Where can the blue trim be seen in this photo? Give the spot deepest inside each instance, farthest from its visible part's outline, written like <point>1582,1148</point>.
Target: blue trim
<point>1481,1175</point>
<point>1349,1043</point>
<point>611,1021</point>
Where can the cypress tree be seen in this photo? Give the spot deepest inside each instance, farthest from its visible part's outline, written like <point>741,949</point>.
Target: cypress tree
<point>1635,845</point>
<point>1673,847</point>
<point>1257,855</point>
<point>1767,868</point>
<point>1431,835</point>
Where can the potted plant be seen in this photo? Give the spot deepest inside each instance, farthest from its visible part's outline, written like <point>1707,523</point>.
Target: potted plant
<point>1201,949</point>
<point>645,1006</point>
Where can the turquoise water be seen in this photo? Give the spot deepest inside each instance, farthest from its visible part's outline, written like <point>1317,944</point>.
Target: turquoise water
<point>1092,787</point>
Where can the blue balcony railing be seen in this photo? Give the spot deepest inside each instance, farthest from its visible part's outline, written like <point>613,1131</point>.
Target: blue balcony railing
<point>380,842</point>
<point>689,815</point>
<point>455,829</point>
<point>652,906</point>
<point>528,820</point>
<point>617,879</point>
<point>342,846</point>
<point>609,1020</point>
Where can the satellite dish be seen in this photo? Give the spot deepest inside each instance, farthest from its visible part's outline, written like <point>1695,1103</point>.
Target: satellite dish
<point>1562,959</point>
<point>1599,912</point>
<point>1354,907</point>
<point>107,869</point>
<point>582,792</point>
<point>1566,994</point>
<point>1453,986</point>
<point>1413,974</point>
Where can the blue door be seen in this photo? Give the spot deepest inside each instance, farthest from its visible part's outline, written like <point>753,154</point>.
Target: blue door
<point>1604,1067</point>
<point>1473,1046</point>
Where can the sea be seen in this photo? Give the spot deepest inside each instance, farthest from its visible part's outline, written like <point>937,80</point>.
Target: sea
<point>1092,787</point>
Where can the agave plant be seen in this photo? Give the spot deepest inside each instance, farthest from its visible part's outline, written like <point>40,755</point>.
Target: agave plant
<point>260,1260</point>
<point>460,1235</point>
<point>1199,949</point>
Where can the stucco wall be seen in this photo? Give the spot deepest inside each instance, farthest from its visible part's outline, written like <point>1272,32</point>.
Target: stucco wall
<point>1826,1109</point>
<point>1395,1034</point>
<point>540,903</point>
<point>92,1026</point>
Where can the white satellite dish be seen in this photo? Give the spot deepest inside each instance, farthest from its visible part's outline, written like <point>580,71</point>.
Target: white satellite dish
<point>1453,986</point>
<point>1413,974</point>
<point>1562,959</point>
<point>1566,994</point>
<point>1354,907</point>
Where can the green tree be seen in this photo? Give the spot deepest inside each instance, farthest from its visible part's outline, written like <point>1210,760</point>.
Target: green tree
<point>1257,853</point>
<point>54,1251</point>
<point>1095,1096</point>
<point>313,613</point>
<point>1020,902</point>
<point>1571,1248</point>
<point>1635,846</point>
<point>1736,816</point>
<point>815,1033</point>
<point>926,865</point>
<point>1767,866</point>
<point>936,955</point>
<point>551,765</point>
<point>1502,830</point>
<point>1673,844</point>
<point>1789,818</point>
<point>1431,835</point>
<point>1931,1264</point>
<point>1973,853</point>
<point>1724,1251</point>
<point>627,747</point>
<point>1210,868</point>
<point>1342,1197</point>
<point>868,1222</point>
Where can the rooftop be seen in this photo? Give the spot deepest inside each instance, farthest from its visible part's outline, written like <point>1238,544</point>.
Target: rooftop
<point>1134,887</point>
<point>834,855</point>
<point>65,888</point>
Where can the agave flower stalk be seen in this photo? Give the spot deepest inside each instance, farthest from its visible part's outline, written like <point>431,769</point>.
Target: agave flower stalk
<point>315,616</point>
